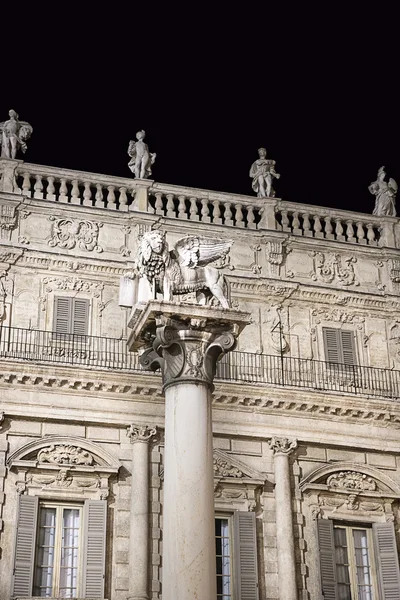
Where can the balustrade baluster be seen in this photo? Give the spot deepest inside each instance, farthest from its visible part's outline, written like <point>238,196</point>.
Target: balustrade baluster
<point>50,190</point>
<point>99,195</point>
<point>26,185</point>
<point>250,217</point>
<point>205,211</point>
<point>170,206</point>
<point>159,204</point>
<point>285,220</point>
<point>182,207</point>
<point>360,233</point>
<point>328,229</point>
<point>228,214</point>
<point>318,233</point>
<point>194,216</point>
<point>123,199</point>
<point>307,225</point>
<point>350,231</point>
<point>239,215</point>
<point>111,199</point>
<point>63,190</point>
<point>296,224</point>
<point>38,187</point>
<point>216,212</point>
<point>75,199</point>
<point>87,194</point>
<point>339,230</point>
<point>371,235</point>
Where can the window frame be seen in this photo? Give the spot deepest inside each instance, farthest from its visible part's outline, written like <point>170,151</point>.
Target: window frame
<point>221,515</point>
<point>349,527</point>
<point>70,334</point>
<point>338,331</point>
<point>60,506</point>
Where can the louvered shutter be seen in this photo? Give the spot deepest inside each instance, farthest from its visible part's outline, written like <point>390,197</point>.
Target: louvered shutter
<point>347,347</point>
<point>245,555</point>
<point>80,313</point>
<point>25,542</point>
<point>331,344</point>
<point>62,315</point>
<point>387,561</point>
<point>327,559</point>
<point>94,548</point>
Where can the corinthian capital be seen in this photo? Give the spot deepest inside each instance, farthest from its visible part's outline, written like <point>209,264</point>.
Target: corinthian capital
<point>140,433</point>
<point>282,446</point>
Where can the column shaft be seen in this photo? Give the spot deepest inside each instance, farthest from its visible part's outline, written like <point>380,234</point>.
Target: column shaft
<point>139,523</point>
<point>284,529</point>
<point>189,564</point>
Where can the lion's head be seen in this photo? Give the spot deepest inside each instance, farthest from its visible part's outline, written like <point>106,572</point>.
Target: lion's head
<point>152,254</point>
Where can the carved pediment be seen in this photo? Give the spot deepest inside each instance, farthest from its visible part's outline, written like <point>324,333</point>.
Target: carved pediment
<point>350,477</point>
<point>228,467</point>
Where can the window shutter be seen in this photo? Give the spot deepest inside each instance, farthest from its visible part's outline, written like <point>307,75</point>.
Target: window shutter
<point>387,560</point>
<point>24,557</point>
<point>62,315</point>
<point>246,555</point>
<point>327,559</point>
<point>94,548</point>
<point>80,315</point>
<point>331,344</point>
<point>348,347</point>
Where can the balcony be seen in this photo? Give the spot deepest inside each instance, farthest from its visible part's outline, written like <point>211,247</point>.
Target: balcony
<point>46,347</point>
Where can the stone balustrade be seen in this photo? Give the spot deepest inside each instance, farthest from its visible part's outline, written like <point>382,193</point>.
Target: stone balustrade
<point>192,204</point>
<point>332,224</point>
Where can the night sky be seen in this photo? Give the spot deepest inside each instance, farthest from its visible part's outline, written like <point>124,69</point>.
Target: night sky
<point>317,88</point>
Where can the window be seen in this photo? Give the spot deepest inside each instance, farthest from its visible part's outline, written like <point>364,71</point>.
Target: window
<point>71,316</point>
<point>60,549</point>
<point>358,562</point>
<point>223,545</point>
<point>57,568</point>
<point>354,562</point>
<point>236,556</point>
<point>339,346</point>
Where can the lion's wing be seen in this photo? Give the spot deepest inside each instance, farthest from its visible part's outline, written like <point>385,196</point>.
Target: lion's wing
<point>195,251</point>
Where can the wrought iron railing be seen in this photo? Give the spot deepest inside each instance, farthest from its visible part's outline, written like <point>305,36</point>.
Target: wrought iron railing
<point>112,353</point>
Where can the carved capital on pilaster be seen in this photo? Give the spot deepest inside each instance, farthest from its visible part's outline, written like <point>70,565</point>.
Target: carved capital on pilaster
<point>140,433</point>
<point>282,446</point>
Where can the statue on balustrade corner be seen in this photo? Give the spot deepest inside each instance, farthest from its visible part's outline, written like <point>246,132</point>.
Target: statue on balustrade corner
<point>141,158</point>
<point>263,171</point>
<point>14,135</point>
<point>385,202</point>
<point>182,269</point>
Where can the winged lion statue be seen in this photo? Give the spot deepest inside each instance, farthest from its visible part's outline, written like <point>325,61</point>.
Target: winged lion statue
<point>184,268</point>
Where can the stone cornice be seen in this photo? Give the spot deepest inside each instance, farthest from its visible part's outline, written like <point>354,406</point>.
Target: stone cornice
<point>146,387</point>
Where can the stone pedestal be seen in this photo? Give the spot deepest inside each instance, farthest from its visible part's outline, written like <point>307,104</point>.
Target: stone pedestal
<point>186,344</point>
<point>139,529</point>
<point>282,447</point>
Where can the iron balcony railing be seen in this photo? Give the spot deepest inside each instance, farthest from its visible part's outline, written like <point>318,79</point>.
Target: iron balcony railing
<point>111,353</point>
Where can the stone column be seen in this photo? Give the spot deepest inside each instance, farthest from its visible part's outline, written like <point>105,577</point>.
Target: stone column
<point>187,342</point>
<point>282,447</point>
<point>139,528</point>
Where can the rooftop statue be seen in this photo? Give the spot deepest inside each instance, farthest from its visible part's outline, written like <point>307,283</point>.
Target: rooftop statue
<point>183,269</point>
<point>385,202</point>
<point>14,135</point>
<point>141,158</point>
<point>263,171</point>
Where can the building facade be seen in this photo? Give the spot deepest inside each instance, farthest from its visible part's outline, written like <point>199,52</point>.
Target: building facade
<point>305,411</point>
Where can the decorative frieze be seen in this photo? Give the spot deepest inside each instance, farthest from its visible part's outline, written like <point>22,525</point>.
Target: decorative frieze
<point>337,315</point>
<point>330,268</point>
<point>71,233</point>
<point>65,455</point>
<point>351,480</point>
<point>73,284</point>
